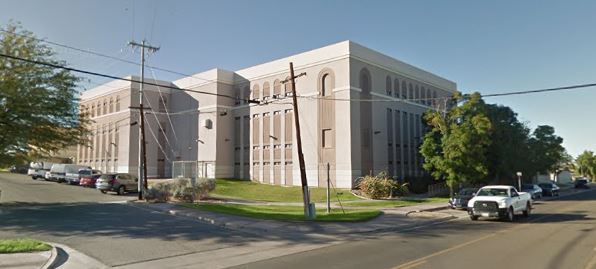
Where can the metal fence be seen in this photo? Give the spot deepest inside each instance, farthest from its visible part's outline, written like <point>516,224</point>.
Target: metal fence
<point>193,169</point>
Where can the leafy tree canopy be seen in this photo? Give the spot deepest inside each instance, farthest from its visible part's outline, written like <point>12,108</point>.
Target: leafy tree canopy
<point>38,104</point>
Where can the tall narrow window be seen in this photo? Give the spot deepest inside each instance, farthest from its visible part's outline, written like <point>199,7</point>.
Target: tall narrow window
<point>288,88</point>
<point>404,90</point>
<point>388,85</point>
<point>266,91</point>
<point>276,88</point>
<point>111,105</point>
<point>117,103</point>
<point>256,94</point>
<point>396,88</point>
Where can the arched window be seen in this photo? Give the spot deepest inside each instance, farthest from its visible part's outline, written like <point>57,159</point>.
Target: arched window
<point>417,94</point>
<point>396,88</point>
<point>423,95</point>
<point>410,91</point>
<point>388,85</point>
<point>288,87</point>
<point>111,104</point>
<point>256,94</point>
<point>435,101</point>
<point>105,107</point>
<point>276,88</point>
<point>117,103</point>
<point>404,90</point>
<point>93,110</point>
<point>266,91</point>
<point>365,83</point>
<point>98,108</point>
<point>325,87</point>
<point>428,100</point>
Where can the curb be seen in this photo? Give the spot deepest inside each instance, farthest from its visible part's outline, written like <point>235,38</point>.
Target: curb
<point>52,259</point>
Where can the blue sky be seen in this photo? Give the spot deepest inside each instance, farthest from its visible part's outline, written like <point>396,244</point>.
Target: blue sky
<point>483,46</point>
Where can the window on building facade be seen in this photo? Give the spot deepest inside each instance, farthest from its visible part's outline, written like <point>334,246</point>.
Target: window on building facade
<point>256,93</point>
<point>428,97</point>
<point>396,88</point>
<point>117,103</point>
<point>266,91</point>
<point>417,94</point>
<point>410,91</point>
<point>276,88</point>
<point>111,105</point>
<point>423,95</point>
<point>404,90</point>
<point>388,85</point>
<point>288,87</point>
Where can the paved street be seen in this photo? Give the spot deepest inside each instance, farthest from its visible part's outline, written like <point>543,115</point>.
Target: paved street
<point>118,234</point>
<point>560,234</point>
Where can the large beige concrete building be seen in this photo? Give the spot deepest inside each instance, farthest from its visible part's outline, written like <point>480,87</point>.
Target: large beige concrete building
<point>360,112</point>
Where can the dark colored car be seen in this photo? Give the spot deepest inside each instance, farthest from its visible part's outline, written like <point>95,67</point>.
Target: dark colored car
<point>88,177</point>
<point>21,169</point>
<point>581,183</point>
<point>549,189</point>
<point>460,199</point>
<point>533,190</point>
<point>118,182</point>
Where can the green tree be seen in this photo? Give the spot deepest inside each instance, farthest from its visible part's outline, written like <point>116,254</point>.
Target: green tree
<point>508,152</point>
<point>38,104</point>
<point>455,147</point>
<point>546,150</point>
<point>585,164</point>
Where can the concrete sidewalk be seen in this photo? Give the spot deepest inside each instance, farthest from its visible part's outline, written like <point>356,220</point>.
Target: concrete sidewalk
<point>391,219</point>
<point>25,260</point>
<point>61,256</point>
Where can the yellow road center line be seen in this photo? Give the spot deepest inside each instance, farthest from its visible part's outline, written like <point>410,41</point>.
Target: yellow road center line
<point>420,261</point>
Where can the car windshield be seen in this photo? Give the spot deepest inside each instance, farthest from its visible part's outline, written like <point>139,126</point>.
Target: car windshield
<point>493,192</point>
<point>85,172</point>
<point>107,176</point>
<point>467,192</point>
<point>527,187</point>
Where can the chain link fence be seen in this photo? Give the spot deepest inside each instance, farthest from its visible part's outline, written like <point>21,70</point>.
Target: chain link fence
<point>193,169</point>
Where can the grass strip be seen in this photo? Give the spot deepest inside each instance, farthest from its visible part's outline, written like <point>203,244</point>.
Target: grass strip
<point>22,245</point>
<point>287,213</point>
<point>248,190</point>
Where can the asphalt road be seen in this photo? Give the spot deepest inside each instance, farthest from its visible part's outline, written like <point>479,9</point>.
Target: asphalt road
<point>559,234</point>
<point>104,227</point>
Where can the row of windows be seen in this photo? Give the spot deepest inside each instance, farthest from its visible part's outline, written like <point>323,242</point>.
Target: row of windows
<point>102,107</point>
<point>408,91</point>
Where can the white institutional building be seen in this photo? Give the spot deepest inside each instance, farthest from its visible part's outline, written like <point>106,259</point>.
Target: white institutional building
<point>360,112</point>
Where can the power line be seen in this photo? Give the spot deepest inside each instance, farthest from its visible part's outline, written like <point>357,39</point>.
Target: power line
<point>119,78</point>
<point>541,90</point>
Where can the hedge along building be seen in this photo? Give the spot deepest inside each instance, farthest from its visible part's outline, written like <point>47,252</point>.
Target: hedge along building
<point>360,112</point>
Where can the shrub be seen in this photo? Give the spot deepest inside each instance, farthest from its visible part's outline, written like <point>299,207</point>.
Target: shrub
<point>381,186</point>
<point>181,188</point>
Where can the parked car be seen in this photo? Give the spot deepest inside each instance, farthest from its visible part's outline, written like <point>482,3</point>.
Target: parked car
<point>89,177</point>
<point>39,169</point>
<point>21,169</point>
<point>57,172</point>
<point>461,198</point>
<point>549,189</point>
<point>581,183</point>
<point>118,182</point>
<point>534,190</point>
<point>71,173</point>
<point>499,201</point>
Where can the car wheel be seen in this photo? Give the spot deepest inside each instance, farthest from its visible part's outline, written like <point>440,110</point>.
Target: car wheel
<point>528,210</point>
<point>121,190</point>
<point>472,217</point>
<point>509,217</point>
<point>104,192</point>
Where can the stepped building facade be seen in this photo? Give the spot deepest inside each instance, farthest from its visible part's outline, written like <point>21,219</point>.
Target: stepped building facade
<point>360,112</point>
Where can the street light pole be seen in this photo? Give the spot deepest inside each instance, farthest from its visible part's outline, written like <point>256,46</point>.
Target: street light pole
<point>519,174</point>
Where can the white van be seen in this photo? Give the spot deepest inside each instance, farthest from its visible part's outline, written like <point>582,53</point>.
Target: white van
<point>71,173</point>
<point>36,170</point>
<point>39,169</point>
<point>57,172</point>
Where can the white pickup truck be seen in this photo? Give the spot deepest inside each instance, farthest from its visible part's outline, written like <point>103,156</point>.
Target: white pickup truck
<point>499,201</point>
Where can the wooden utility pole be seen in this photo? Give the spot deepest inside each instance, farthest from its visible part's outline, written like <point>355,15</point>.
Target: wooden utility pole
<point>142,150</point>
<point>305,193</point>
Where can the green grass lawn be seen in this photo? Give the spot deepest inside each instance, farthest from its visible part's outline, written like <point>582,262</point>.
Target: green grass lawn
<point>287,212</point>
<point>396,203</point>
<point>248,190</point>
<point>22,245</point>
